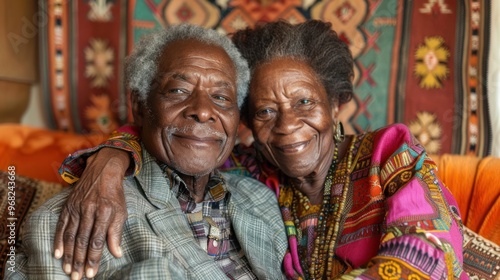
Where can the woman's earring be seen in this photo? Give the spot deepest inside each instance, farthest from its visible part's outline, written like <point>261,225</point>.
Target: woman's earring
<point>339,135</point>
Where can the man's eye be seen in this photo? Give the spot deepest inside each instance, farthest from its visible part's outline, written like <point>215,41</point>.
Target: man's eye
<point>221,98</point>
<point>176,91</point>
<point>265,114</point>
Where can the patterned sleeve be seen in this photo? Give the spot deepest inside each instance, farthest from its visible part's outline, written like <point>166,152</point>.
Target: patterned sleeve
<point>422,230</point>
<point>125,138</point>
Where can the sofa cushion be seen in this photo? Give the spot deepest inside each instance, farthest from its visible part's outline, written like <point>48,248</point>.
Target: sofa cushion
<point>27,194</point>
<point>38,153</point>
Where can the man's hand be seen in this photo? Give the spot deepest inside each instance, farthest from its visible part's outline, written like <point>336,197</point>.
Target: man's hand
<point>94,212</point>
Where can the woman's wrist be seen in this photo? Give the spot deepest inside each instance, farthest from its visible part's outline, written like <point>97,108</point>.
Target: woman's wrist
<point>116,157</point>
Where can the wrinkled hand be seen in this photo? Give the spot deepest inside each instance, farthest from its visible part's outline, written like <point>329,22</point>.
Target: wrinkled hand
<point>95,212</point>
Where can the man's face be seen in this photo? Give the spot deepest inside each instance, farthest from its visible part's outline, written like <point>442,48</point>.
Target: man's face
<point>190,118</point>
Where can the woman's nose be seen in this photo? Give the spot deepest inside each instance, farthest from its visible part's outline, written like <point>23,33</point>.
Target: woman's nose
<point>287,122</point>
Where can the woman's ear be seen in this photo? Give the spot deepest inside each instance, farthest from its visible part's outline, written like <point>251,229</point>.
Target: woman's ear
<point>138,109</point>
<point>335,110</point>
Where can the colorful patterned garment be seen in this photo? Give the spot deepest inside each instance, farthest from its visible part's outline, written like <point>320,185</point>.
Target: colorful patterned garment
<point>125,138</point>
<point>394,220</point>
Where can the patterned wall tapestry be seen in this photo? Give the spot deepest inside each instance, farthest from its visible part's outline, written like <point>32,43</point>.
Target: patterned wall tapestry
<point>441,79</point>
<point>82,51</point>
<point>417,62</point>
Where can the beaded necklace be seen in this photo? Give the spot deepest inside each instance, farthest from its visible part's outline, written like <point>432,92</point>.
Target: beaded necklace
<point>328,219</point>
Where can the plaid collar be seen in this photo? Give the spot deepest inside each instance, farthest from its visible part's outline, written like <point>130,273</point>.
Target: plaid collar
<point>215,190</point>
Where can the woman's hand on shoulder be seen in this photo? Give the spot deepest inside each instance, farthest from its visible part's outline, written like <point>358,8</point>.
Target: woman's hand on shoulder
<point>94,214</point>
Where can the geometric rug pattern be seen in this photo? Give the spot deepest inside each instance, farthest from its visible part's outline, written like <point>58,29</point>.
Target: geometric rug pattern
<point>422,63</point>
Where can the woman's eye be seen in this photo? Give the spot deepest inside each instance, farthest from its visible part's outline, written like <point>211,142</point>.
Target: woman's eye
<point>305,104</point>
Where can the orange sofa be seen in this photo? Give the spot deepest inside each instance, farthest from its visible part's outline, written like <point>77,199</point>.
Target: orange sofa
<point>37,153</point>
<point>475,182</point>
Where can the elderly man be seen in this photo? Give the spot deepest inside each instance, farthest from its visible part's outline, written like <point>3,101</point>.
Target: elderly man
<point>185,219</point>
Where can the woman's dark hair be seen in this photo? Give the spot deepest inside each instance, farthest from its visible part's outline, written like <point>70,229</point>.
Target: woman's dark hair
<point>312,41</point>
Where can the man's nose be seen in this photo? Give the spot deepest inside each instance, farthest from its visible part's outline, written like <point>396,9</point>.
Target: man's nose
<point>201,107</point>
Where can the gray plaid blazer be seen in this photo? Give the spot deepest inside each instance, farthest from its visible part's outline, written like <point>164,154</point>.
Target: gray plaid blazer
<point>157,241</point>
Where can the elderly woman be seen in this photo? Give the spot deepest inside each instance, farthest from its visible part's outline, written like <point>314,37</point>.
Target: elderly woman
<point>366,205</point>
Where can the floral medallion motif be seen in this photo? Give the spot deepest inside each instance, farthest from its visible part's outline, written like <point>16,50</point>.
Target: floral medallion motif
<point>99,115</point>
<point>390,271</point>
<point>99,57</point>
<point>244,13</point>
<point>100,10</point>
<point>428,131</point>
<point>198,12</point>
<point>431,63</point>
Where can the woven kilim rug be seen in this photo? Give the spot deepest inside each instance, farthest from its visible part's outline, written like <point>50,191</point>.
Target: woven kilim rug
<point>82,51</point>
<point>441,75</point>
<point>422,63</point>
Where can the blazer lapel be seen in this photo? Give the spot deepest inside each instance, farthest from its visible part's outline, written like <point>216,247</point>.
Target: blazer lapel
<point>256,240</point>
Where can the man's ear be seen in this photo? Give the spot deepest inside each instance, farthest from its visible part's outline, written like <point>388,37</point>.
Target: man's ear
<point>138,109</point>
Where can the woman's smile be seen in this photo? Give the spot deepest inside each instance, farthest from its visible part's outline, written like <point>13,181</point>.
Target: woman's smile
<point>294,147</point>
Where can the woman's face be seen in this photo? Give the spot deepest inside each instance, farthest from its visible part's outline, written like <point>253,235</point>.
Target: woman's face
<point>291,116</point>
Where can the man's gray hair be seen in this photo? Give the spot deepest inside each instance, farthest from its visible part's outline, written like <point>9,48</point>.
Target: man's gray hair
<point>141,67</point>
